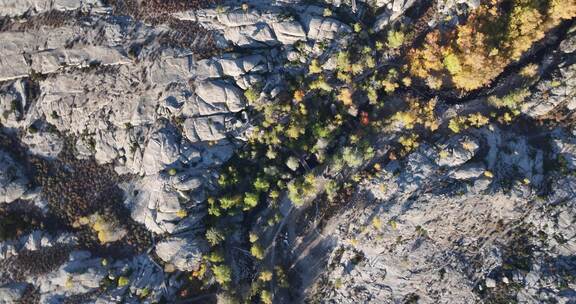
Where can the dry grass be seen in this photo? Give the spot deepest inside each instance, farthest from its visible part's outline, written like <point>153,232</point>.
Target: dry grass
<point>33,263</point>
<point>143,10</point>
<point>77,188</point>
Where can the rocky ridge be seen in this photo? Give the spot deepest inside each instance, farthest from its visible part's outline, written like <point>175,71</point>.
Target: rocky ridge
<point>477,216</point>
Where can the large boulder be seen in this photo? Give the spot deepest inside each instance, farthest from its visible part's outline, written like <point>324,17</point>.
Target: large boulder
<point>288,32</point>
<point>457,151</point>
<point>185,253</point>
<point>154,203</point>
<point>215,97</point>
<point>44,144</point>
<point>321,28</point>
<point>206,128</point>
<point>163,149</point>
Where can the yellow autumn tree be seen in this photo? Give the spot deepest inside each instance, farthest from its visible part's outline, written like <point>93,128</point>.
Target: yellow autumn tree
<point>496,34</point>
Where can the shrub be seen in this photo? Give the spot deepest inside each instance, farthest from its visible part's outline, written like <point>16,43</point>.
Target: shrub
<point>301,188</point>
<point>250,201</point>
<point>477,120</point>
<point>407,119</point>
<point>395,39</point>
<point>251,95</point>
<point>228,202</point>
<point>409,143</point>
<point>215,257</point>
<point>292,163</point>
<point>182,213</point>
<point>314,67</point>
<point>331,190</point>
<point>418,113</point>
<point>266,297</point>
<point>294,194</point>
<point>456,124</point>
<point>222,274</point>
<point>560,9</point>
<point>452,64</point>
<point>376,223</point>
<point>257,251</point>
<point>511,100</point>
<point>294,131</point>
<point>107,231</point>
<point>320,84</point>
<point>343,62</point>
<point>213,208</point>
<point>345,96</point>
<point>281,277</point>
<point>357,68</point>
<point>351,157</point>
<point>460,123</point>
<point>253,237</point>
<point>214,236</point>
<point>265,276</point>
<point>298,95</point>
<point>389,85</point>
<point>123,281</point>
<point>261,184</point>
<point>529,71</point>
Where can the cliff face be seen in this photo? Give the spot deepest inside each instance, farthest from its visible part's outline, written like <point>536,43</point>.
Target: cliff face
<point>279,151</point>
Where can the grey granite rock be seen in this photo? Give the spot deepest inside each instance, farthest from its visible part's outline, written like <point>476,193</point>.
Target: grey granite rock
<point>13,8</point>
<point>233,67</point>
<point>238,18</point>
<point>322,28</point>
<point>394,9</point>
<point>11,293</point>
<point>567,152</point>
<point>216,97</point>
<point>288,32</point>
<point>162,150</point>
<point>468,171</point>
<point>44,144</point>
<point>551,93</point>
<point>207,128</point>
<point>456,151</point>
<point>13,181</point>
<point>13,102</point>
<point>13,67</point>
<point>436,225</point>
<point>153,203</point>
<point>81,274</point>
<point>184,252</point>
<point>257,35</point>
<point>52,60</point>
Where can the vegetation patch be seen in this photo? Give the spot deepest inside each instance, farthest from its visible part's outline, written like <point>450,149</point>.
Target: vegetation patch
<point>495,35</point>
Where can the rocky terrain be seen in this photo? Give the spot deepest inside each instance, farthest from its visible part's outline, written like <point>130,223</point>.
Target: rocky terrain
<point>286,151</point>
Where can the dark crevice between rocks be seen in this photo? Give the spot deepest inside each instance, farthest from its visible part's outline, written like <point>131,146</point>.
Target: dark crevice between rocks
<point>153,8</point>
<point>73,189</point>
<point>76,188</point>
<point>23,217</point>
<point>50,19</point>
<point>31,295</point>
<point>184,34</point>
